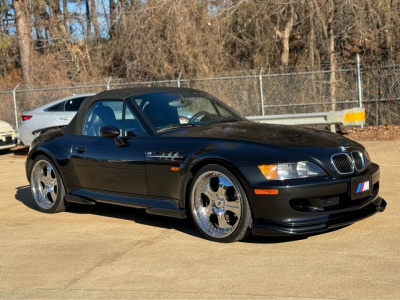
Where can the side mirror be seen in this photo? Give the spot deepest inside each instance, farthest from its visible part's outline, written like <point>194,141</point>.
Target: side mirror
<point>113,132</point>
<point>109,131</point>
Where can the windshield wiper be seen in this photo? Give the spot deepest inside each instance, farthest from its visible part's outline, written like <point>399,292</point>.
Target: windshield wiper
<point>175,126</point>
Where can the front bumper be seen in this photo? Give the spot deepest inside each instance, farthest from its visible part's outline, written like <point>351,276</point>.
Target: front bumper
<point>7,143</point>
<point>331,221</point>
<point>311,206</point>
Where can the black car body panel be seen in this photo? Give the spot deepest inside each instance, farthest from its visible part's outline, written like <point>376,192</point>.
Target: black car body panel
<point>138,174</point>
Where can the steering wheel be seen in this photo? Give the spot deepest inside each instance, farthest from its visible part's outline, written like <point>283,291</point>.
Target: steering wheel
<point>196,115</point>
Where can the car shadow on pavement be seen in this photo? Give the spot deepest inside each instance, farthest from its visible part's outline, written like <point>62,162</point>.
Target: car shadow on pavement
<point>284,239</point>
<point>23,194</point>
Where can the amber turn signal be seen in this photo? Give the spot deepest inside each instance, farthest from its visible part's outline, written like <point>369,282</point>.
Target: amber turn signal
<point>269,171</point>
<point>174,169</point>
<point>266,191</point>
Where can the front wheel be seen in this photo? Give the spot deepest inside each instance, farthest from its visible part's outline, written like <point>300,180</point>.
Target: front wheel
<point>46,186</point>
<point>219,205</point>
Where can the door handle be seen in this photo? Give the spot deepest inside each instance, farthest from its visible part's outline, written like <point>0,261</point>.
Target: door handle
<point>81,149</point>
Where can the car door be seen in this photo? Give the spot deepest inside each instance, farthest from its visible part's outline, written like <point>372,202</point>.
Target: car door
<point>68,110</point>
<point>99,163</point>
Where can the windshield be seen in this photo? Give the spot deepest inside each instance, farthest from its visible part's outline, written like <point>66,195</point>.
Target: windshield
<point>173,110</point>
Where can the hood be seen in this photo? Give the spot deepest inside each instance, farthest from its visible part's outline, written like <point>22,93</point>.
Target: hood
<point>5,125</point>
<point>276,135</point>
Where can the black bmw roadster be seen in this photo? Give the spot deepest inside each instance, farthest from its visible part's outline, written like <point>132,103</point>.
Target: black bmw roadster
<point>233,177</point>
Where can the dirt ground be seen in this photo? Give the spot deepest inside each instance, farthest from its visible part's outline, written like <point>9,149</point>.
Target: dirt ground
<point>108,252</point>
<point>374,133</point>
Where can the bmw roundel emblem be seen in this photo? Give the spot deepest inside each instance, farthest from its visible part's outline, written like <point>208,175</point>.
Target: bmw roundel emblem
<point>341,148</point>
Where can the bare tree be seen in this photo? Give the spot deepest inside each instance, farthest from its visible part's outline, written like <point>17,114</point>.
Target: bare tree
<point>94,18</point>
<point>112,18</point>
<point>284,35</point>
<point>65,14</point>
<point>88,20</point>
<point>24,38</point>
<point>153,39</point>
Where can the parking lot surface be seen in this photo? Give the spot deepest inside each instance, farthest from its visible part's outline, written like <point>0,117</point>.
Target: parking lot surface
<point>108,252</point>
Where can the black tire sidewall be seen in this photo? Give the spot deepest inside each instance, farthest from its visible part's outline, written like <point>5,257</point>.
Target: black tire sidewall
<point>242,230</point>
<point>60,204</point>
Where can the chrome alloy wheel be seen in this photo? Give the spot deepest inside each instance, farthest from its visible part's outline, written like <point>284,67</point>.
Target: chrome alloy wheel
<point>217,204</point>
<point>44,184</point>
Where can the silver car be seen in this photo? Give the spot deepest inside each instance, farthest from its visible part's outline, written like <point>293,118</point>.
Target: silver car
<point>56,113</point>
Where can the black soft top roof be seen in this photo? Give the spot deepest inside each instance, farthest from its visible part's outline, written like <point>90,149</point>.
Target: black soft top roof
<point>76,124</point>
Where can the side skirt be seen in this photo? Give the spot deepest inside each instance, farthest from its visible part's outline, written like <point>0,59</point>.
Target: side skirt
<point>160,207</point>
<point>79,200</point>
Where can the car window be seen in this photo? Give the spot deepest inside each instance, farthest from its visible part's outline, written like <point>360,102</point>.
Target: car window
<point>73,104</point>
<point>132,125</point>
<point>103,113</point>
<point>57,107</point>
<point>110,113</point>
<point>166,110</point>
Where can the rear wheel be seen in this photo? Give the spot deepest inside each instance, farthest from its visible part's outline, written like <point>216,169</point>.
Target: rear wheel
<point>46,186</point>
<point>219,205</point>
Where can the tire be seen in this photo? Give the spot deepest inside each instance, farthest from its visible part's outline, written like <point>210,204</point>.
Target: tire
<point>47,187</point>
<point>219,205</point>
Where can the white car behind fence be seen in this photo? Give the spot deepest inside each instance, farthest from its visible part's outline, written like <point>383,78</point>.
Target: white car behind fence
<point>56,113</point>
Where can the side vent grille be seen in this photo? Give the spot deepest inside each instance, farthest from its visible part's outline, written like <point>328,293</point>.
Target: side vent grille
<point>171,155</point>
<point>165,155</point>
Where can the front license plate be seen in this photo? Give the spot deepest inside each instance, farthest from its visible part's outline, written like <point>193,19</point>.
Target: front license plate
<point>8,139</point>
<point>361,187</point>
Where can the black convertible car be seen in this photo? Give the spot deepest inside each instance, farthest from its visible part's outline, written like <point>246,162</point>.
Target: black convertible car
<point>233,177</point>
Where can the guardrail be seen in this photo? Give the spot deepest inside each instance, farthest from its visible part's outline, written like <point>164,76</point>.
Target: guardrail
<point>354,116</point>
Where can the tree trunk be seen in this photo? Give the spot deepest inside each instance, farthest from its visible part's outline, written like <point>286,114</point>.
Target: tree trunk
<point>24,39</point>
<point>106,16</point>
<point>93,8</point>
<point>88,21</point>
<point>66,15</point>
<point>58,29</point>
<point>333,63</point>
<point>80,18</point>
<point>329,37</point>
<point>312,38</point>
<point>332,57</point>
<point>122,16</point>
<point>113,18</point>
<point>285,35</point>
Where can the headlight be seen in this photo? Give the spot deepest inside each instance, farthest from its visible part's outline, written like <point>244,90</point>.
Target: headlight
<point>367,158</point>
<point>301,169</point>
<point>183,120</point>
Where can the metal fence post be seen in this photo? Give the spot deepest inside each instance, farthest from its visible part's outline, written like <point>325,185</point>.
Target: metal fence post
<point>15,105</point>
<point>261,93</point>
<point>359,83</point>
<point>179,79</point>
<point>108,83</point>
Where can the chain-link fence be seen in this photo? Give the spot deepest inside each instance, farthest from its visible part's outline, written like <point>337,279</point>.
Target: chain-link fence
<point>252,95</point>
